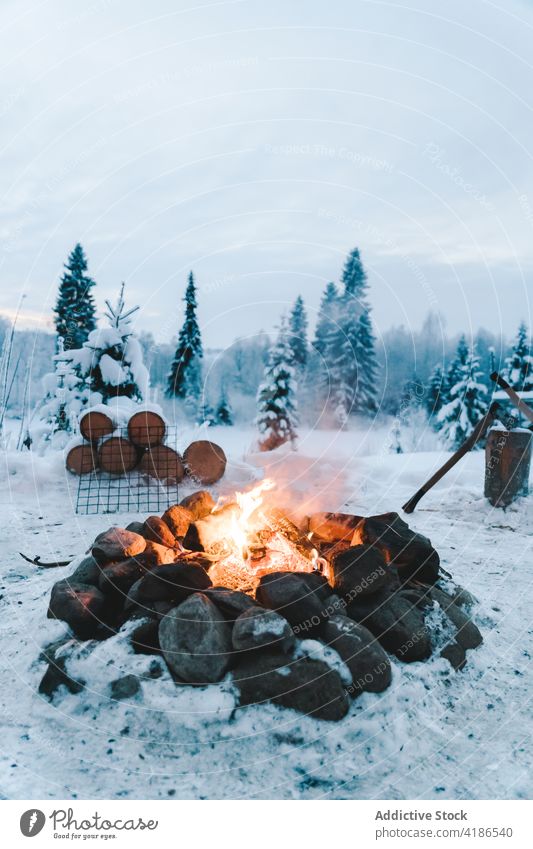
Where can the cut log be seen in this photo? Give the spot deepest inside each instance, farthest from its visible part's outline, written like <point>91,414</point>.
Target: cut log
<point>507,463</point>
<point>81,460</point>
<point>117,456</point>
<point>95,425</point>
<point>332,527</point>
<point>205,461</point>
<point>162,463</point>
<point>146,429</point>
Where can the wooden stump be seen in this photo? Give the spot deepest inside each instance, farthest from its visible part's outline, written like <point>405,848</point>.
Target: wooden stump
<point>507,462</point>
<point>162,463</point>
<point>95,425</point>
<point>81,460</point>
<point>117,456</point>
<point>205,461</point>
<point>146,429</point>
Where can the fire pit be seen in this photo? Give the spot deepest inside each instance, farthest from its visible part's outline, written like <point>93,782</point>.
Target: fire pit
<point>238,587</point>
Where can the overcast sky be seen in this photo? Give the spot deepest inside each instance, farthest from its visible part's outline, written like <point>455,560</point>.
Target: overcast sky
<point>256,143</point>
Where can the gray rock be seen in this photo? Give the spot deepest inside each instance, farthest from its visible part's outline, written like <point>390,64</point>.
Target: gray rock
<point>173,582</point>
<point>262,629</point>
<point>298,596</point>
<point>361,652</point>
<point>125,687</point>
<point>117,578</point>
<point>398,625</point>
<point>136,527</point>
<point>360,570</point>
<point>56,674</point>
<point>231,603</point>
<point>307,685</point>
<point>468,634</point>
<point>81,606</point>
<point>87,572</point>
<point>411,553</point>
<point>455,654</point>
<point>117,544</point>
<point>195,642</point>
<point>200,504</point>
<point>145,637</point>
<point>178,519</point>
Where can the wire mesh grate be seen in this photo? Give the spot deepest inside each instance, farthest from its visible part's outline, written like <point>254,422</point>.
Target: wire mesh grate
<point>129,478</point>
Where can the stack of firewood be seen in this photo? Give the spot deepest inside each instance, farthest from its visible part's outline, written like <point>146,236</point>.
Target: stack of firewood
<point>140,446</point>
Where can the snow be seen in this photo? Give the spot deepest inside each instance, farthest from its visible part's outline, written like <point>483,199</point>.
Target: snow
<point>112,371</point>
<point>434,734</point>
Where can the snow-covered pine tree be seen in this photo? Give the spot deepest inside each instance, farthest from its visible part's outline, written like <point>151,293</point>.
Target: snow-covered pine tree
<point>365,388</point>
<point>224,413</point>
<point>111,360</point>
<point>519,366</point>
<point>185,377</point>
<point>327,316</point>
<point>436,395</point>
<point>456,367</point>
<point>277,418</point>
<point>66,396</point>
<point>206,415</point>
<point>468,400</point>
<point>298,334</point>
<point>354,277</point>
<point>350,350</point>
<point>75,310</point>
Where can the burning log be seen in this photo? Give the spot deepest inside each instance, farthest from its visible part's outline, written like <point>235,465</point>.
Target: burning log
<point>205,461</point>
<point>82,459</point>
<point>117,456</point>
<point>213,533</point>
<point>146,429</point>
<point>94,425</point>
<point>162,463</point>
<point>507,464</point>
<point>333,527</point>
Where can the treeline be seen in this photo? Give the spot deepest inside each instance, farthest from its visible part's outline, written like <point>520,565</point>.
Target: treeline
<point>325,375</point>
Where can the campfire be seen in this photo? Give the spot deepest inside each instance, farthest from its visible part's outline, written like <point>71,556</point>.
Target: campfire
<point>252,540</point>
<point>241,587</point>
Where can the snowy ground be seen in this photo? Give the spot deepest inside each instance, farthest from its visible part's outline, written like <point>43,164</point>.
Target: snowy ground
<point>433,734</point>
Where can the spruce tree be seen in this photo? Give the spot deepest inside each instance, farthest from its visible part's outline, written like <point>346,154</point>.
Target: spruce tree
<point>277,418</point>
<point>111,361</point>
<point>468,399</point>
<point>519,366</point>
<point>206,415</point>
<point>456,367</point>
<point>350,350</point>
<point>354,277</point>
<point>298,334</point>
<point>436,395</point>
<point>185,377</point>
<point>365,388</point>
<point>75,309</point>
<point>224,413</point>
<point>327,317</point>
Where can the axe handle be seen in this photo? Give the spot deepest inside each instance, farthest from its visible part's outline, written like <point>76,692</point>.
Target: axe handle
<point>515,398</point>
<point>477,434</point>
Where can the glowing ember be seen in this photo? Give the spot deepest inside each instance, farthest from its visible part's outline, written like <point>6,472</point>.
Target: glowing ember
<point>260,541</point>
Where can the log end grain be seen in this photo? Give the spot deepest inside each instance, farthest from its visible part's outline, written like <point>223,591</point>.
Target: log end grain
<point>205,461</point>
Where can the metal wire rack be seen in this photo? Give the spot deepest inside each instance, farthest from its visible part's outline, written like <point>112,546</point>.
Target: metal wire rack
<point>142,480</point>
